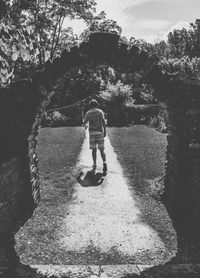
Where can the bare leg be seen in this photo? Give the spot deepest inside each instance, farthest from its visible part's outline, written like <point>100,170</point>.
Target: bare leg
<point>94,156</point>
<point>103,155</point>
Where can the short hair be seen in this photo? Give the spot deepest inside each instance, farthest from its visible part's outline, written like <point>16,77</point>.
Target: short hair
<point>93,103</point>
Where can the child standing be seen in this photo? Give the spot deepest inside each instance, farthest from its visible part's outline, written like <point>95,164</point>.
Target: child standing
<point>97,131</point>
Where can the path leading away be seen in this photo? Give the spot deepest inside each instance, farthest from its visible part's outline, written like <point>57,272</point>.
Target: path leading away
<point>103,224</point>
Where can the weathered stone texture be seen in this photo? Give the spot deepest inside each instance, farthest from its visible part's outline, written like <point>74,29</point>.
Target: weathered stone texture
<point>182,191</point>
<point>10,192</point>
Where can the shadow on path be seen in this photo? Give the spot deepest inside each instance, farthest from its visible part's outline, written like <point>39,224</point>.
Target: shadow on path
<point>91,178</point>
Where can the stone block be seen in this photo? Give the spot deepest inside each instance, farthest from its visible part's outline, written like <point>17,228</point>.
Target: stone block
<point>31,137</point>
<point>42,90</point>
<point>36,123</point>
<point>32,144</point>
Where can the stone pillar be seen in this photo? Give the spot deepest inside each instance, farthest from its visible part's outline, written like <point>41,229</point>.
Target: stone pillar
<point>182,191</point>
<point>19,179</point>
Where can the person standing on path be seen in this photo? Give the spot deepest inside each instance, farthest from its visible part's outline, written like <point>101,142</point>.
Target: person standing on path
<point>97,131</point>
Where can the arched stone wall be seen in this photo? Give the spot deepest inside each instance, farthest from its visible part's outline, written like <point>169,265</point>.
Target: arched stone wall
<point>182,182</point>
<point>22,105</point>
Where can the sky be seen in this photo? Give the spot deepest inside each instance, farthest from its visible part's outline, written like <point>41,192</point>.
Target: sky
<point>151,20</point>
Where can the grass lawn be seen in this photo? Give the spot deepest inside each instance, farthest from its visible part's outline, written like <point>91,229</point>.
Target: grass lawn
<point>141,151</point>
<point>58,150</point>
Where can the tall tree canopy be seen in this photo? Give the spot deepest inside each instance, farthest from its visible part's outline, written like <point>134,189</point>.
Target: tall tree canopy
<point>185,42</point>
<point>100,23</point>
<point>32,31</point>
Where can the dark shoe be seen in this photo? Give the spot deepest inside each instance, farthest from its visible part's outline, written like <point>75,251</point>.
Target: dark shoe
<point>105,169</point>
<point>94,167</point>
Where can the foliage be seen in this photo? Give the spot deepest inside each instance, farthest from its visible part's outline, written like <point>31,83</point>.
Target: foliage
<point>100,23</point>
<point>180,42</point>
<point>15,45</point>
<point>118,94</point>
<point>55,119</point>
<point>161,49</point>
<point>142,44</point>
<point>47,18</point>
<point>145,94</point>
<point>186,65</point>
<point>185,42</point>
<point>182,51</point>
<point>158,122</point>
<point>31,32</point>
<point>80,83</point>
<point>141,92</point>
<point>117,99</point>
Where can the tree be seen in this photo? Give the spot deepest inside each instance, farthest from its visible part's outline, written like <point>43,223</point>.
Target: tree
<point>180,42</point>
<point>195,34</point>
<point>16,43</point>
<point>100,23</point>
<point>117,98</point>
<point>162,49</point>
<point>79,83</point>
<point>47,17</point>
<point>142,44</point>
<point>185,65</point>
<point>32,31</point>
<point>185,42</point>
<point>182,51</point>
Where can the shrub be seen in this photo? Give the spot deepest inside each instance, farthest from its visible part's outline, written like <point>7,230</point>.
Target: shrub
<point>55,119</point>
<point>185,65</point>
<point>117,99</point>
<point>158,122</point>
<point>153,116</point>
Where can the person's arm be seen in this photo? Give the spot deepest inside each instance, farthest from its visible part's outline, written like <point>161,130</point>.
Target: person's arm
<point>85,120</point>
<point>104,124</point>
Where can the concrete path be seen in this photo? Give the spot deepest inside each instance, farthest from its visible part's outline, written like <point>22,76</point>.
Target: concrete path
<point>103,223</point>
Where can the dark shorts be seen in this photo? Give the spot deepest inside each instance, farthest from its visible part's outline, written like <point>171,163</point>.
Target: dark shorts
<point>96,139</point>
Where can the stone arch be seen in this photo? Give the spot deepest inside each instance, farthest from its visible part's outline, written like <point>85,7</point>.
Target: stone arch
<point>24,102</point>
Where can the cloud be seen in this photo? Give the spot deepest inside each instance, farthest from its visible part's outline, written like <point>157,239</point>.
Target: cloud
<point>152,24</point>
<point>152,38</point>
<point>180,25</point>
<point>148,19</point>
<point>140,2</point>
<point>78,25</point>
<point>176,10</point>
